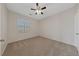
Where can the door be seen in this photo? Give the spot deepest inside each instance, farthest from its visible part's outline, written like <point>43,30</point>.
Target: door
<point>76,28</point>
<point>3,28</point>
<point>0,29</point>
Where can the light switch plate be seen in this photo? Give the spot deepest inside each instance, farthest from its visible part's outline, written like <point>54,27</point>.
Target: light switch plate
<point>77,33</point>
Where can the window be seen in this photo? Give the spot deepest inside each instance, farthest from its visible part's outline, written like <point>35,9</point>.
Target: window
<point>23,25</point>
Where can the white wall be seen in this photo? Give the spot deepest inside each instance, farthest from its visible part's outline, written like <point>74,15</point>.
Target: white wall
<point>3,18</point>
<point>59,27</point>
<point>14,34</point>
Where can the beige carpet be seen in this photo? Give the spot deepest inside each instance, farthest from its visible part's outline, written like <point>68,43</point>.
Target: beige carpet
<point>40,46</point>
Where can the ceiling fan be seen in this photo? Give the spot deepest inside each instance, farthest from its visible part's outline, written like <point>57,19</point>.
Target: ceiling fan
<point>38,9</point>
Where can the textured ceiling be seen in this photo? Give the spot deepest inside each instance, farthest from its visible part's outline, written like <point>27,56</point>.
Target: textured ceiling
<point>52,8</point>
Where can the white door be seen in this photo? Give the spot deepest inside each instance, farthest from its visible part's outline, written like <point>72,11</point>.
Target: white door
<point>0,30</point>
<point>3,28</point>
<point>76,23</point>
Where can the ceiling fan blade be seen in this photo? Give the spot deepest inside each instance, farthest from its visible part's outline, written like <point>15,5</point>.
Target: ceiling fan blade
<point>43,8</point>
<point>33,9</point>
<point>36,4</point>
<point>41,12</point>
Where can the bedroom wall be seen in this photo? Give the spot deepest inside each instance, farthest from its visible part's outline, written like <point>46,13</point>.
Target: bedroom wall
<point>14,34</point>
<point>59,27</point>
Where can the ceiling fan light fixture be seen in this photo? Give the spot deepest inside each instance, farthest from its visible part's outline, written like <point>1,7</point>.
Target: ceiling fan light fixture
<point>38,12</point>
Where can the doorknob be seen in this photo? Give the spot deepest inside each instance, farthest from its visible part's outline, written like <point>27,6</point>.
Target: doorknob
<point>2,40</point>
<point>77,33</point>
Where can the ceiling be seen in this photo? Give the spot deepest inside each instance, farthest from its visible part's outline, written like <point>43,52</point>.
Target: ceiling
<point>52,8</point>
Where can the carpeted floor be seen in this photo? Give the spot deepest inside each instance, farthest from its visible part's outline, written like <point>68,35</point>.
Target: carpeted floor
<point>40,46</point>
